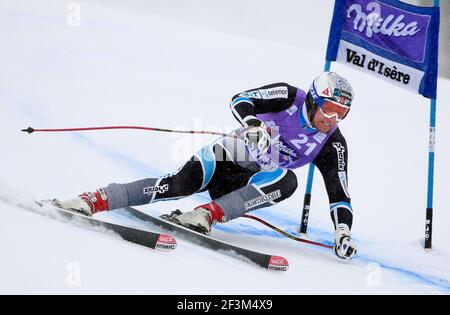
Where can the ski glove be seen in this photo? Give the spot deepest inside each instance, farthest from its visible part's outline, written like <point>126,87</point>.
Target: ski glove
<point>345,248</point>
<point>257,136</point>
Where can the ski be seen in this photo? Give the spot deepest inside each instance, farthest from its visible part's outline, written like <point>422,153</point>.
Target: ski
<point>270,262</point>
<point>158,241</point>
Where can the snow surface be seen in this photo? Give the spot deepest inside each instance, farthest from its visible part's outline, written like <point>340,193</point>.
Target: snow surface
<point>176,64</point>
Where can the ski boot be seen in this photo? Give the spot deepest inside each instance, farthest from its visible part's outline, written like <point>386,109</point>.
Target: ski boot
<point>200,219</point>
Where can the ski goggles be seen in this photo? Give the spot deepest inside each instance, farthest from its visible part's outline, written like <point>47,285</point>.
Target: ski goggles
<point>331,109</point>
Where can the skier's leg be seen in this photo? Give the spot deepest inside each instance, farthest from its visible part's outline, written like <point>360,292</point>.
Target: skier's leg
<point>192,177</point>
<point>185,182</point>
<point>263,189</point>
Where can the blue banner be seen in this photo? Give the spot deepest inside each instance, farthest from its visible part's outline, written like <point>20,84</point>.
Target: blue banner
<point>395,41</point>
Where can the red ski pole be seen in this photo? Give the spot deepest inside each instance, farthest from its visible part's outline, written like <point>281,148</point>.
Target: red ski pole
<point>32,130</point>
<point>292,237</point>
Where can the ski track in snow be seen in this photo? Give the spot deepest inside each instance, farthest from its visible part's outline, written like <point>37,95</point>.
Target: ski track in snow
<point>237,227</point>
<point>16,199</point>
<point>28,105</point>
<point>270,215</point>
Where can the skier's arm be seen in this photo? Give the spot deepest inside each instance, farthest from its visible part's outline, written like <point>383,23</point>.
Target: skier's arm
<point>269,98</point>
<point>332,163</point>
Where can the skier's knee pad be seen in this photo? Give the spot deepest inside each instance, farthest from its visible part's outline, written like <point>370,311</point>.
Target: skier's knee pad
<point>288,184</point>
<point>187,181</point>
<point>284,181</point>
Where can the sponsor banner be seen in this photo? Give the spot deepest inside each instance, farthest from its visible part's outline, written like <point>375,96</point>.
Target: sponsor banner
<point>363,60</point>
<point>380,24</point>
<point>392,40</point>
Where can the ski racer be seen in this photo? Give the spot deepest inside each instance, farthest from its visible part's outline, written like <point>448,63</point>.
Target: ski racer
<point>282,128</point>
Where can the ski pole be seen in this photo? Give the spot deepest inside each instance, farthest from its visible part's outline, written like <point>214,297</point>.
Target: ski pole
<point>292,237</point>
<point>31,130</point>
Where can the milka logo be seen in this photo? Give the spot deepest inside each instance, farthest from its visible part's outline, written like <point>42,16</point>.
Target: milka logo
<point>280,146</point>
<point>373,23</point>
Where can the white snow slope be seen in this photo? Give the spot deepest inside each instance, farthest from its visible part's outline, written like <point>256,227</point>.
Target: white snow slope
<point>176,64</point>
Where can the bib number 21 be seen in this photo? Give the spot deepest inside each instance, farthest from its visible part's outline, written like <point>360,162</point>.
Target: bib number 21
<point>303,140</point>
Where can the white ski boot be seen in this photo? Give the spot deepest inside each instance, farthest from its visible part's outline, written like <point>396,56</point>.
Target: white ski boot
<point>345,248</point>
<point>200,219</point>
<point>87,203</point>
